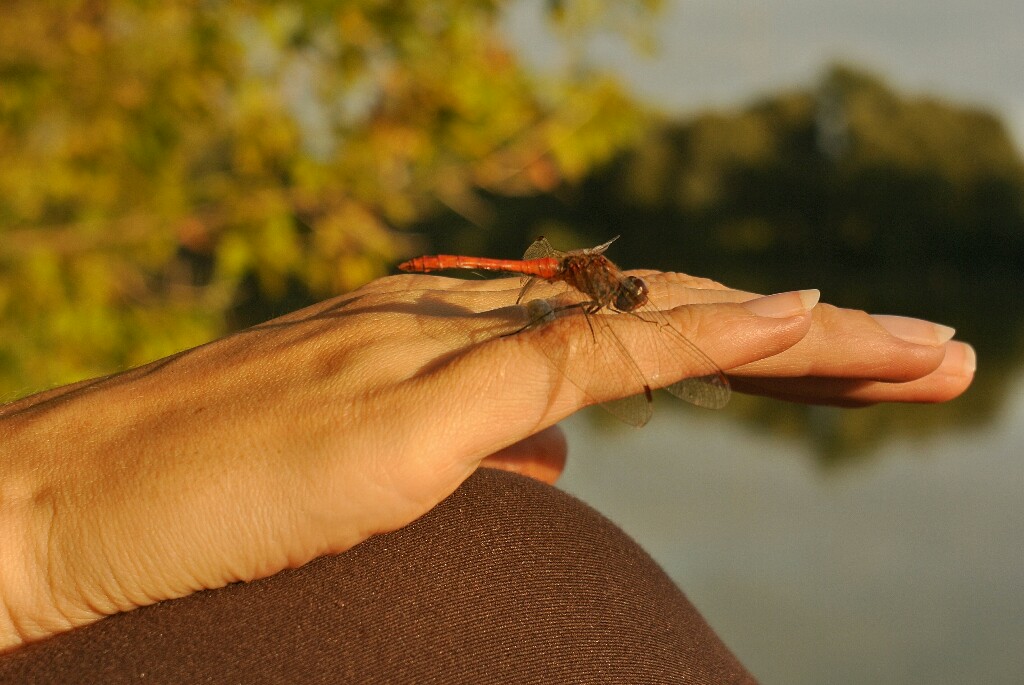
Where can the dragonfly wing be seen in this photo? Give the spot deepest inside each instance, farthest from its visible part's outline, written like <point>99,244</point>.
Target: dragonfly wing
<point>707,387</point>
<point>538,249</point>
<point>600,249</point>
<point>636,410</point>
<point>589,356</point>
<point>528,283</point>
<point>710,392</point>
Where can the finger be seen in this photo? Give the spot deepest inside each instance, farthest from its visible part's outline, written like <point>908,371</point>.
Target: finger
<point>842,343</point>
<point>541,456</point>
<point>669,290</point>
<point>948,381</point>
<point>851,344</point>
<point>514,389</point>
<point>676,280</point>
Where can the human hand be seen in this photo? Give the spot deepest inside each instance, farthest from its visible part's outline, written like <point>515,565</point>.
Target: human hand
<point>848,358</point>
<point>305,435</point>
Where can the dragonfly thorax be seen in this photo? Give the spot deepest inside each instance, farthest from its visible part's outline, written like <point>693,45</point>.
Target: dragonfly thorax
<point>595,276</point>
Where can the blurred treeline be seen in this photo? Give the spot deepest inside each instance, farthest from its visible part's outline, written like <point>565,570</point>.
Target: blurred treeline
<point>887,202</point>
<point>171,171</point>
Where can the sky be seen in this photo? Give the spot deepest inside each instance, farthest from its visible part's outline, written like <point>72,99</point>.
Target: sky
<point>723,53</point>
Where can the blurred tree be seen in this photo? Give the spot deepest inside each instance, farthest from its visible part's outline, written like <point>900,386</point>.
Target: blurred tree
<point>174,169</point>
<point>887,202</point>
<point>849,171</point>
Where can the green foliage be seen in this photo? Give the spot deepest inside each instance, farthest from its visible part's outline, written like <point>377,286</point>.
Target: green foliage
<point>165,164</point>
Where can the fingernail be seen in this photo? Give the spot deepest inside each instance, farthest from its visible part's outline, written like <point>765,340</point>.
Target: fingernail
<point>960,359</point>
<point>915,331</point>
<point>781,305</point>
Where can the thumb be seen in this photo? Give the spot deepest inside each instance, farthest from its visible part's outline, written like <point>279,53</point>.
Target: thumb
<point>540,456</point>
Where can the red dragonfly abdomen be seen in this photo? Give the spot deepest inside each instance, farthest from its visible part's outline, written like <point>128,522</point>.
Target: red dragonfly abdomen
<point>546,267</point>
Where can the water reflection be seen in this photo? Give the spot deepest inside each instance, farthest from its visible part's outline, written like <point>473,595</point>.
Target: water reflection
<point>902,568</point>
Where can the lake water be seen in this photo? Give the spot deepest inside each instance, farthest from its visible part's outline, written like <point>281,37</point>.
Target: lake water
<point>906,566</point>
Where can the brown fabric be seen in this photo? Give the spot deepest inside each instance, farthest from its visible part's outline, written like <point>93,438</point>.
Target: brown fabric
<point>507,581</point>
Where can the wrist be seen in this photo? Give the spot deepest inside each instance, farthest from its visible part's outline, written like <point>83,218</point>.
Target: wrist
<point>42,441</point>
<point>27,611</point>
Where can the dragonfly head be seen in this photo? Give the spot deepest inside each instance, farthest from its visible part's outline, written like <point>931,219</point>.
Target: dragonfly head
<point>632,294</point>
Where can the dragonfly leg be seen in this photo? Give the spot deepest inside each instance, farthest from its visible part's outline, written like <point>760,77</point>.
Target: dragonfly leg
<point>545,312</point>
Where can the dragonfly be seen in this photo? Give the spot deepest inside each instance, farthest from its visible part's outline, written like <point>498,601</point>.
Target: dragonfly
<point>595,286</point>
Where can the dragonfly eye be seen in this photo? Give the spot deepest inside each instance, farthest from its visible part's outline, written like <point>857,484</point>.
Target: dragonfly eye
<point>631,295</point>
